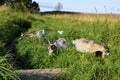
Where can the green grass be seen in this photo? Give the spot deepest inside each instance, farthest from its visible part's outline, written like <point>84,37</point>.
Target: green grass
<point>11,25</point>
<point>6,69</point>
<point>31,52</point>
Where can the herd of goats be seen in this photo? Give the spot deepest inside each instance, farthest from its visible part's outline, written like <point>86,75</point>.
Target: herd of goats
<point>82,44</point>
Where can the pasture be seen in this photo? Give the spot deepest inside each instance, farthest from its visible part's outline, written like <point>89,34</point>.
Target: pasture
<point>32,52</point>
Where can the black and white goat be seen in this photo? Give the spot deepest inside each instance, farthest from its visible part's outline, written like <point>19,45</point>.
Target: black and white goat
<point>60,43</point>
<point>84,45</point>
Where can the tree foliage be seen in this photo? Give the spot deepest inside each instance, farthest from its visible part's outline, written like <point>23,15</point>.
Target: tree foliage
<point>34,7</point>
<point>22,5</point>
<point>2,2</point>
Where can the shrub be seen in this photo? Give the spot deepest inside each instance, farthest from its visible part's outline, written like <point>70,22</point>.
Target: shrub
<point>8,31</point>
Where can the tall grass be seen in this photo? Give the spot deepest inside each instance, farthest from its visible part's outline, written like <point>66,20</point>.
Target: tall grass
<point>31,52</point>
<point>11,25</point>
<point>89,17</point>
<point>6,70</point>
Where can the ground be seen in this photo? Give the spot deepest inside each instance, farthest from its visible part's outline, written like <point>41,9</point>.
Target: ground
<point>39,74</point>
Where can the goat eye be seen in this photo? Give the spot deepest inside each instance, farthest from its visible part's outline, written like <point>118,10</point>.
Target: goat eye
<point>63,42</point>
<point>53,47</point>
<point>107,51</point>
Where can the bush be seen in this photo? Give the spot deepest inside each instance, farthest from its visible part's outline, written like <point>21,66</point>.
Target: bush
<point>8,31</point>
<point>22,23</point>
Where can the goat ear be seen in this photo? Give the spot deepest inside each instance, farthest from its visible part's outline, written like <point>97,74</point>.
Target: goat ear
<point>104,45</point>
<point>103,42</point>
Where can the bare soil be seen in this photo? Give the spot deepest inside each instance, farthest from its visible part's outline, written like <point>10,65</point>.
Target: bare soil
<point>39,74</point>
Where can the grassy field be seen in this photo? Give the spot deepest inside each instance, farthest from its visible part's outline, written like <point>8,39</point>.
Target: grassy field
<point>32,53</point>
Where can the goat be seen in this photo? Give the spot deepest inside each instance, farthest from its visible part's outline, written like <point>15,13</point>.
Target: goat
<point>60,43</point>
<point>60,32</point>
<point>27,35</point>
<point>84,45</point>
<point>38,33</point>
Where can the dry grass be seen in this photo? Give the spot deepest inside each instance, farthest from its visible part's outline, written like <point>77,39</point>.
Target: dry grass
<point>79,16</point>
<point>89,17</point>
<point>4,8</point>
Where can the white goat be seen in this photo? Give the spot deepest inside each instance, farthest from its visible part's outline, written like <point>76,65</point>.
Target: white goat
<point>27,35</point>
<point>84,45</point>
<point>35,33</point>
<point>60,32</point>
<point>60,43</point>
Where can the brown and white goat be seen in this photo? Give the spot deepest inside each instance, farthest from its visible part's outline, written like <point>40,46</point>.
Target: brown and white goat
<point>84,45</point>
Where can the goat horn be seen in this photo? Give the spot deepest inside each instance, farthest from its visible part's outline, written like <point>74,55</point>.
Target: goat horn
<point>47,40</point>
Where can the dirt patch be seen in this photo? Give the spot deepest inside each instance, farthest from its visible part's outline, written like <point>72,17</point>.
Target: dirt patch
<point>39,74</point>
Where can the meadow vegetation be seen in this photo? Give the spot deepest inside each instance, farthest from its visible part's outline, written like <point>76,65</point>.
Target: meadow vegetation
<point>32,53</point>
